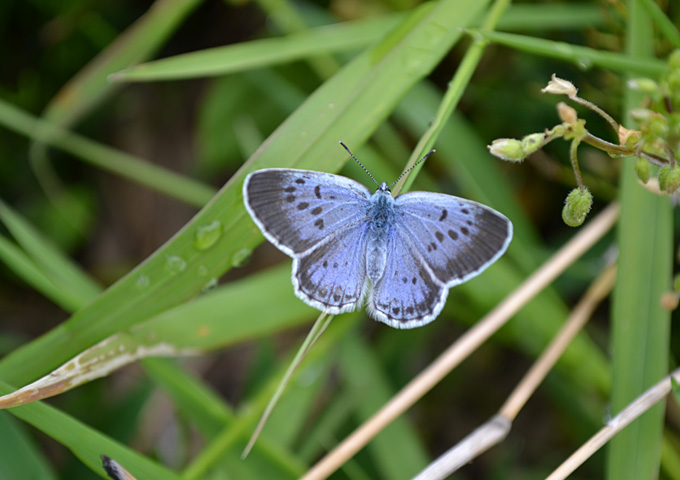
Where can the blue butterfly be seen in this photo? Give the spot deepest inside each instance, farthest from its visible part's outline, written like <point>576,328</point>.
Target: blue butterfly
<point>404,252</point>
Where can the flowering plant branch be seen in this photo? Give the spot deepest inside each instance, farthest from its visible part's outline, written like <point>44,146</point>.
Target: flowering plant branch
<point>656,142</point>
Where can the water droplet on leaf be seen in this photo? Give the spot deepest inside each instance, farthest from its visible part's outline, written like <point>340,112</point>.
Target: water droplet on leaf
<point>175,264</point>
<point>241,257</point>
<point>207,235</point>
<point>143,282</point>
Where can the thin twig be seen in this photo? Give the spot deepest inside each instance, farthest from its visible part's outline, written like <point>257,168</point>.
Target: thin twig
<point>597,292</point>
<point>483,438</point>
<point>497,428</point>
<point>574,163</point>
<point>466,344</point>
<point>610,120</point>
<point>634,409</point>
<point>317,329</point>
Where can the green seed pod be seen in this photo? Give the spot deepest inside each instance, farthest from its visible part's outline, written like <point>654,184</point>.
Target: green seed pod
<point>643,169</point>
<point>658,126</point>
<point>669,178</point>
<point>532,142</point>
<point>508,149</point>
<point>674,60</point>
<point>640,114</point>
<point>674,124</point>
<point>645,85</point>
<point>577,206</point>
<point>673,82</point>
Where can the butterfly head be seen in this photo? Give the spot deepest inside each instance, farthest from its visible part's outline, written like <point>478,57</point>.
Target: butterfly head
<point>384,187</point>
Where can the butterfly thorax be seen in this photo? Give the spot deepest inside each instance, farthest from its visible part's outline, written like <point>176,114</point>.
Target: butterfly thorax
<point>380,220</point>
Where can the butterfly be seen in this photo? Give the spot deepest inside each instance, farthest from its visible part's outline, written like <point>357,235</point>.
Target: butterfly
<point>346,242</point>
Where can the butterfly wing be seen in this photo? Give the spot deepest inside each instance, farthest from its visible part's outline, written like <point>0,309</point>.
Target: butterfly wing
<point>319,219</point>
<point>297,209</point>
<point>332,276</point>
<point>408,294</point>
<point>457,238</point>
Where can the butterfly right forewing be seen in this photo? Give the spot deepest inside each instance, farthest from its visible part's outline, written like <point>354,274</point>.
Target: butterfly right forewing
<point>457,238</point>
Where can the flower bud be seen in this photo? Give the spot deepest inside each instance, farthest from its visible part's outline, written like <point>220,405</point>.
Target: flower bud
<point>566,113</point>
<point>559,86</point>
<point>669,178</point>
<point>669,301</point>
<point>577,206</point>
<point>644,85</point>
<point>643,169</point>
<point>508,149</point>
<point>628,137</point>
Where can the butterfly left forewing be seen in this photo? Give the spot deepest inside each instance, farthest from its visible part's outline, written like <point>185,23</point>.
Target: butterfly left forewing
<point>457,238</point>
<point>297,209</point>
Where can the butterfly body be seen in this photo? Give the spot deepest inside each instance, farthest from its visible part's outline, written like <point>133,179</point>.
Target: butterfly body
<point>346,242</point>
<point>380,220</point>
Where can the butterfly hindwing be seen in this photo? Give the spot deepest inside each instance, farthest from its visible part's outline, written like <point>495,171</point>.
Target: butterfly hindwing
<point>457,238</point>
<point>407,295</point>
<point>332,276</point>
<point>297,209</point>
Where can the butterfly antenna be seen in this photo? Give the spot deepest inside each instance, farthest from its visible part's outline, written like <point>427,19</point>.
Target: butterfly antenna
<point>412,167</point>
<point>355,159</point>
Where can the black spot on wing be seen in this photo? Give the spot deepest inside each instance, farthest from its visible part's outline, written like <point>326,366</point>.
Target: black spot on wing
<point>445,213</point>
<point>290,189</point>
<point>452,234</point>
<point>317,192</point>
<point>300,181</point>
<point>439,235</point>
<point>317,210</point>
<point>319,223</point>
<point>302,205</point>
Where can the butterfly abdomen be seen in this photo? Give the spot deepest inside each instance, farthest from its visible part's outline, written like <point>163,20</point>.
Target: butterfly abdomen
<point>380,220</point>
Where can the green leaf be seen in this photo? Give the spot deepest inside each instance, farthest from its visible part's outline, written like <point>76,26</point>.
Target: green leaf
<point>53,263</point>
<point>397,451</point>
<point>582,57</point>
<point>24,267</point>
<point>21,457</point>
<point>640,326</point>
<point>86,443</point>
<point>107,158</point>
<point>138,42</point>
<point>266,52</point>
